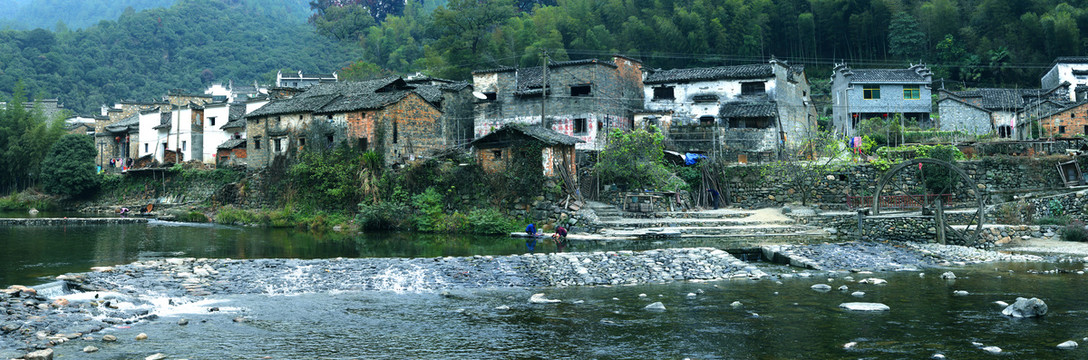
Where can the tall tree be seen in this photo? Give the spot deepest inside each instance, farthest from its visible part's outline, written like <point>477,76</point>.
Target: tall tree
<point>905,40</point>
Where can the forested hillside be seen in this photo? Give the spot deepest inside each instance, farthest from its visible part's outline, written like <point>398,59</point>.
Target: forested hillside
<point>973,43</point>
<point>46,14</point>
<point>143,54</point>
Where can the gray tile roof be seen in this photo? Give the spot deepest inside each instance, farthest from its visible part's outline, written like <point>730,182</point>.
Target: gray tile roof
<point>547,136</point>
<point>348,96</point>
<point>127,124</point>
<point>748,109</point>
<point>751,71</point>
<point>233,143</point>
<point>554,64</point>
<point>998,99</point>
<point>886,75</point>
<point>234,124</point>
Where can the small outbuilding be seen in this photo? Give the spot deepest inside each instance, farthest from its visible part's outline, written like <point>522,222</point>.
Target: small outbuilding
<point>231,153</point>
<point>496,151</point>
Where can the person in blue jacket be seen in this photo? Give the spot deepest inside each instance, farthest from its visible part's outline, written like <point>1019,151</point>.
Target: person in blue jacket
<point>531,241</point>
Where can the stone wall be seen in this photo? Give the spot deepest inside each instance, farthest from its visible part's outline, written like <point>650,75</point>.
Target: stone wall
<point>752,186</point>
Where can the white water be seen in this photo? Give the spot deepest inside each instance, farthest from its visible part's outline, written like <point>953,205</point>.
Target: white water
<point>412,280</point>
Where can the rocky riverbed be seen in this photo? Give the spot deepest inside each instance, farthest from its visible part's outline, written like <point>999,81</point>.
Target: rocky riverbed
<point>115,296</point>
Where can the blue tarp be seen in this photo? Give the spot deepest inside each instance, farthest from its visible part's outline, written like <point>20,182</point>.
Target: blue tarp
<point>692,158</point>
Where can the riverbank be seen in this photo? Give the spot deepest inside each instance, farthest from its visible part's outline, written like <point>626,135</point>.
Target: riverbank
<point>114,296</point>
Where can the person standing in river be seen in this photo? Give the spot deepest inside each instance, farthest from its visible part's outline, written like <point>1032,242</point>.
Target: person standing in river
<point>530,243</point>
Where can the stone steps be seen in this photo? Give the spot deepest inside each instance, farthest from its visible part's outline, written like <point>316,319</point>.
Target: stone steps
<point>672,223</point>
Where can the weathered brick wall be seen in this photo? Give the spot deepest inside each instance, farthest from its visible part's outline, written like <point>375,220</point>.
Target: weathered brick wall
<point>257,134</point>
<point>417,131</point>
<point>1075,120</point>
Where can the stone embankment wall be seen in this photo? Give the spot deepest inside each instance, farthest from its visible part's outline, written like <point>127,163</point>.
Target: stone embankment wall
<point>919,229</point>
<point>1025,211</point>
<point>1003,177</point>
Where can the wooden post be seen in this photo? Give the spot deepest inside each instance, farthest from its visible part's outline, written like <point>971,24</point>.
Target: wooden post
<point>940,221</point>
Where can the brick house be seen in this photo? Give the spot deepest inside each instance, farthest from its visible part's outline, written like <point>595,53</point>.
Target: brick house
<point>231,153</point>
<point>1066,122</point>
<point>731,110</point>
<point>585,98</point>
<point>494,151</point>
<point>403,121</point>
<point>859,94</point>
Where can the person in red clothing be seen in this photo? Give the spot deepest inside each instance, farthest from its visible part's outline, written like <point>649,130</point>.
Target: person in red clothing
<point>560,238</point>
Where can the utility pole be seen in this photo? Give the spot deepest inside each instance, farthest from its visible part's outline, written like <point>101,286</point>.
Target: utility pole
<point>544,91</point>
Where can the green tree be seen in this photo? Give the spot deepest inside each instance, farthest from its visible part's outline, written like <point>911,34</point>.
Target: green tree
<point>634,158</point>
<point>69,169</point>
<point>904,39</point>
<point>344,23</point>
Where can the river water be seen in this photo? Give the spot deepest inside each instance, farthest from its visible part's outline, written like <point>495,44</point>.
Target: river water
<point>775,320</point>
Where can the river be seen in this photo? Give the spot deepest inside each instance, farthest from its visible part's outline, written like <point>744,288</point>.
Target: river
<point>775,319</point>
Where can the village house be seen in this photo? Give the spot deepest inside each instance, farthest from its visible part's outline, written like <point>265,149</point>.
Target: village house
<point>117,134</point>
<point>495,152</point>
<point>584,98</point>
<point>402,121</point>
<point>990,110</point>
<point>300,80</point>
<point>860,94</point>
<point>738,112</point>
<point>1069,121</point>
<point>1071,70</point>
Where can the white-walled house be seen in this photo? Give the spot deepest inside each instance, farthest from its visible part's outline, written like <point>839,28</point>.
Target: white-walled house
<point>216,115</point>
<point>174,128</point>
<point>1072,70</point>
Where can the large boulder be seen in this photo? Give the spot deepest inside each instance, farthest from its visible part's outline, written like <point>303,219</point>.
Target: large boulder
<point>1026,308</point>
<point>46,354</point>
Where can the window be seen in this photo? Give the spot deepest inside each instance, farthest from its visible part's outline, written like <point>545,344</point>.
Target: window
<point>1072,114</point>
<point>752,88</point>
<point>277,145</point>
<point>706,120</point>
<point>664,93</point>
<point>329,138</point>
<point>301,143</point>
<point>581,90</point>
<point>395,131</point>
<point>910,92</point>
<point>1086,129</point>
<point>211,121</point>
<point>257,121</point>
<point>580,126</point>
<point>870,92</point>
<point>496,154</point>
<point>257,144</point>
<point>490,96</point>
<point>362,143</point>
<point>1061,129</point>
<point>146,147</point>
<point>183,143</point>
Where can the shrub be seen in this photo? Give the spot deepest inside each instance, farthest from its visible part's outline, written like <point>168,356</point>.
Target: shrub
<point>196,217</point>
<point>232,215</point>
<point>388,215</point>
<point>490,222</point>
<point>1053,220</point>
<point>634,158</point>
<point>1075,232</point>
<point>428,207</point>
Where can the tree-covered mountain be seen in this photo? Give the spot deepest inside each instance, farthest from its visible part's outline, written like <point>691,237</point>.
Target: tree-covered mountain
<point>974,43</point>
<point>143,54</point>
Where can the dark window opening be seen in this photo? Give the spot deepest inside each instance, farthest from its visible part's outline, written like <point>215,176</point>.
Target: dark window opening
<point>277,145</point>
<point>257,144</point>
<point>1004,131</point>
<point>1061,129</point>
<point>1072,114</point>
<point>1086,129</point>
<point>581,90</point>
<point>491,96</point>
<point>496,154</point>
<point>328,138</point>
<point>329,117</point>
<point>211,121</point>
<point>705,98</point>
<point>362,142</point>
<point>224,158</point>
<point>706,120</point>
<point>750,123</point>
<point>301,142</point>
<point>395,134</point>
<point>664,93</point>
<point>257,121</point>
<point>580,126</point>
<point>752,88</point>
